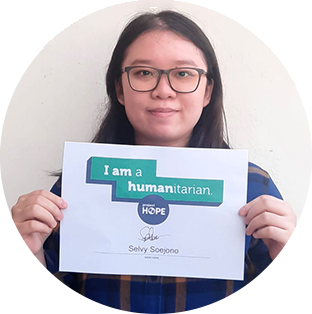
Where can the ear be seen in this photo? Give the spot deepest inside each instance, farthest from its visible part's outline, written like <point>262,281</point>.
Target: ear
<point>208,93</point>
<point>119,93</point>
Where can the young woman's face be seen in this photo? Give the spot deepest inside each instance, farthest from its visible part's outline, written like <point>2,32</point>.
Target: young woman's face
<point>163,117</point>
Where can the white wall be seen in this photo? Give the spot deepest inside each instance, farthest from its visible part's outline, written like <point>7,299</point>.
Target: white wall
<point>62,97</point>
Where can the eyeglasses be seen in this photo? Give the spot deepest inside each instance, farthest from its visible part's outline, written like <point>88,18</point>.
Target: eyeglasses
<point>181,80</point>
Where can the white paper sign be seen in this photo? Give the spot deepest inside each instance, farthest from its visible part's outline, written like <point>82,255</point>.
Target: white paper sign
<point>141,210</point>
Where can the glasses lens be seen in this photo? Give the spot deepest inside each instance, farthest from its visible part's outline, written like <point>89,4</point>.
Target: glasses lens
<point>184,79</point>
<point>143,78</point>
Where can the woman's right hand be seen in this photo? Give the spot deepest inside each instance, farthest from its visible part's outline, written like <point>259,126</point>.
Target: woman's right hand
<point>35,215</point>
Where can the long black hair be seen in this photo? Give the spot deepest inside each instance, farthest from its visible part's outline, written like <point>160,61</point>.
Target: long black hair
<point>210,131</point>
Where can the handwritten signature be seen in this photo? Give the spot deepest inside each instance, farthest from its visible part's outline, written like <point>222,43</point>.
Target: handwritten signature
<point>147,234</point>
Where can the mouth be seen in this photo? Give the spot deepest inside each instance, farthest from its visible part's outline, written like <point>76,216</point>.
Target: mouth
<point>163,112</point>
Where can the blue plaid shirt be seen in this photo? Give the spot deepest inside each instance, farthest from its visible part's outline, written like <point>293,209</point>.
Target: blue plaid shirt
<point>156,294</point>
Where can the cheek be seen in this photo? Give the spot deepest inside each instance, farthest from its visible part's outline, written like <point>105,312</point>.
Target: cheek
<point>196,116</point>
<point>192,117</point>
<point>131,100</point>
<point>133,109</point>
<point>194,108</point>
<point>123,91</point>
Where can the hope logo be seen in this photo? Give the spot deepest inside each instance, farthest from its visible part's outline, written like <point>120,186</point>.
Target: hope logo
<point>153,209</point>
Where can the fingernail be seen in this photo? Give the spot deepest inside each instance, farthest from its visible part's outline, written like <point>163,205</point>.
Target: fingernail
<point>242,211</point>
<point>63,204</point>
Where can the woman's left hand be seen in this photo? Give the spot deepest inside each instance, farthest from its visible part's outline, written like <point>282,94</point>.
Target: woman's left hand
<point>270,219</point>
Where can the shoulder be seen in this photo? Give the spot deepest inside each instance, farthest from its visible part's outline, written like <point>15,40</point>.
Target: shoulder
<point>254,169</point>
<point>260,183</point>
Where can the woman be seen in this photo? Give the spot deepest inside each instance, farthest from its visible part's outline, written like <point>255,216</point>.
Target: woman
<point>164,89</point>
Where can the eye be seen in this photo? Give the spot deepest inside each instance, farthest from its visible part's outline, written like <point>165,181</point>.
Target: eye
<point>141,73</point>
<point>145,73</point>
<point>184,73</point>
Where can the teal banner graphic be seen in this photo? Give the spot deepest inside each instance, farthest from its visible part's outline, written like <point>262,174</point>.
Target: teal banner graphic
<point>134,179</point>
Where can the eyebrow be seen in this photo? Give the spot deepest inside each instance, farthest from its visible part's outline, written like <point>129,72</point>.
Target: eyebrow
<point>185,62</point>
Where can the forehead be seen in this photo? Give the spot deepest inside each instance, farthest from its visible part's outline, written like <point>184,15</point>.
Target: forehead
<point>164,49</point>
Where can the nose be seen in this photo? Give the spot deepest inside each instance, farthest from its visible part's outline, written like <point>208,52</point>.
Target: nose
<point>163,89</point>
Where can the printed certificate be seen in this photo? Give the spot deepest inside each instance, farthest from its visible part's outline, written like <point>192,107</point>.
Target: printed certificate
<point>141,210</point>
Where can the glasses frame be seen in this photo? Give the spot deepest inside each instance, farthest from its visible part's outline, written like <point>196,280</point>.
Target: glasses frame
<point>167,72</point>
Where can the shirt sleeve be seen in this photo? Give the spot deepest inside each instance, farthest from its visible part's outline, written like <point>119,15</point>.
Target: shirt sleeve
<point>56,296</point>
<point>260,268</point>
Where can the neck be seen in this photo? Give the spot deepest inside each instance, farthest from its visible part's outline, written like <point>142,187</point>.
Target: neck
<point>160,142</point>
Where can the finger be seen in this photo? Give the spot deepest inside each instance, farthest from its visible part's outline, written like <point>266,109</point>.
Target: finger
<point>32,226</point>
<point>266,219</point>
<point>273,233</point>
<point>51,207</point>
<point>255,202</point>
<point>36,212</point>
<point>58,201</point>
<point>265,203</point>
<point>42,201</point>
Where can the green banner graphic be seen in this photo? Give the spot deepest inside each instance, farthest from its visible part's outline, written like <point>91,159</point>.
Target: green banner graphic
<point>133,179</point>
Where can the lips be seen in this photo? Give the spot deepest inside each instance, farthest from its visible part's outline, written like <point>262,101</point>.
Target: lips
<point>163,112</point>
